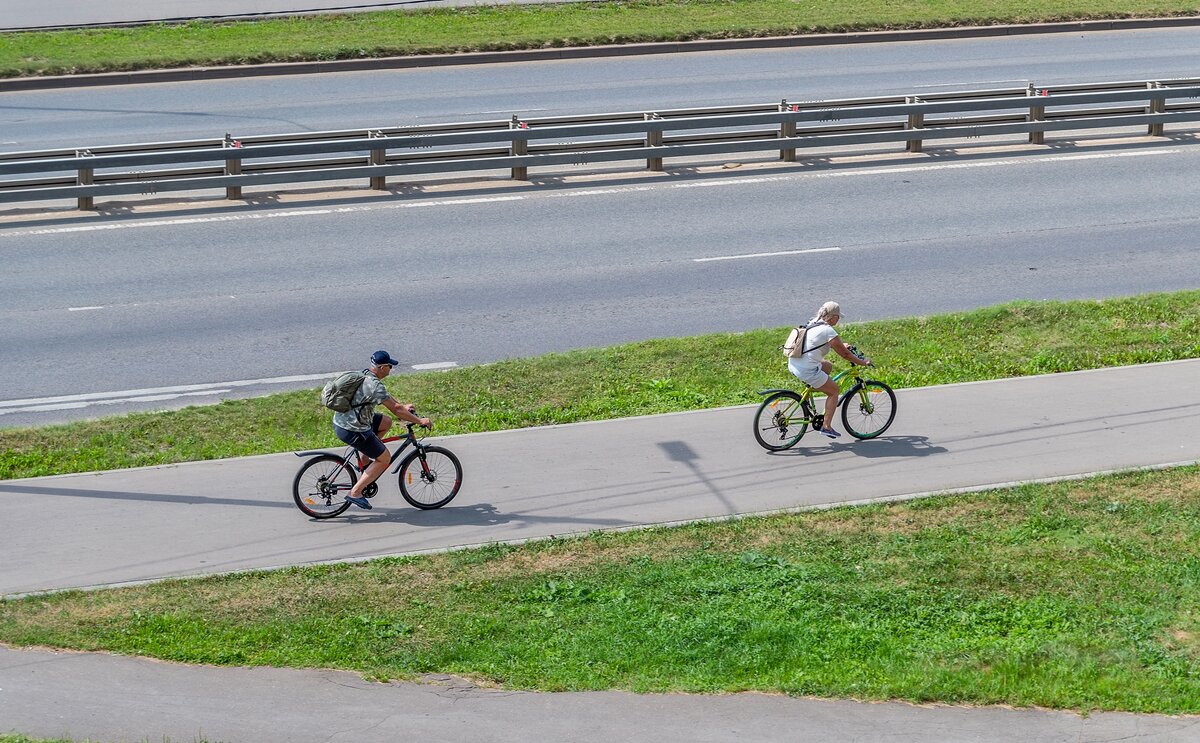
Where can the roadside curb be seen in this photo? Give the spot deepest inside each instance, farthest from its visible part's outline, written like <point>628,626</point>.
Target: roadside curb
<point>563,53</point>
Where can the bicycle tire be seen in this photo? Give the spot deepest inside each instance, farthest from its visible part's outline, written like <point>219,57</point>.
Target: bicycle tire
<point>316,494</point>
<point>871,421</point>
<point>772,429</point>
<point>433,481</point>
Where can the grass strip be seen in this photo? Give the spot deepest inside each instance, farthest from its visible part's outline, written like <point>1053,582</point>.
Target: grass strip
<point>1081,595</point>
<point>487,28</point>
<point>656,376</point>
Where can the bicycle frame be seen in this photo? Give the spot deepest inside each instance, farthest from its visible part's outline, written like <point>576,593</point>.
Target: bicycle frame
<point>350,458</point>
<point>854,372</point>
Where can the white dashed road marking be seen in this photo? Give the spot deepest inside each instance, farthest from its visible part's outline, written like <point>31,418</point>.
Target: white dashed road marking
<point>764,255</point>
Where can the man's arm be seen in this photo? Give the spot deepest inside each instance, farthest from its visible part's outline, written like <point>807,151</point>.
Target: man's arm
<point>403,411</point>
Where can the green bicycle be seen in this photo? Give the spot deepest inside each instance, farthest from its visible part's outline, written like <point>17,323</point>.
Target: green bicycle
<point>868,408</point>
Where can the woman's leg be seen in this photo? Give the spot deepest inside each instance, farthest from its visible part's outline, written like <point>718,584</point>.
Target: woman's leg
<point>830,388</point>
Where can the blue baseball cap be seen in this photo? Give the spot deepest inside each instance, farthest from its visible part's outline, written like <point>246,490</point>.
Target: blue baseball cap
<point>379,358</point>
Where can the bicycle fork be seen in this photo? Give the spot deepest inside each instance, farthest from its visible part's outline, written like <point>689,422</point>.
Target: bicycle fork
<point>864,400</point>
<point>426,474</point>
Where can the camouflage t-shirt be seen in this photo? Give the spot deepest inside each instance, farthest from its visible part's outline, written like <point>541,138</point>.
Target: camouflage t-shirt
<point>358,417</point>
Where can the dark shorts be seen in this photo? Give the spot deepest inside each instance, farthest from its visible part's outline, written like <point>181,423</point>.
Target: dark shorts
<point>366,442</point>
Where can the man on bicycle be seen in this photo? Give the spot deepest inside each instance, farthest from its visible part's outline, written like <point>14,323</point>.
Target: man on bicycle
<point>361,427</point>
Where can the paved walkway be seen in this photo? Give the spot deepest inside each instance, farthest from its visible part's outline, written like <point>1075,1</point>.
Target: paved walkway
<point>104,528</point>
<point>106,698</point>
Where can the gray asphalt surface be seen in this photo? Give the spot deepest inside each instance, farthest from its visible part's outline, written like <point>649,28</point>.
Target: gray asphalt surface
<point>99,697</point>
<point>146,306</point>
<point>85,117</point>
<point>245,294</point>
<point>26,14</point>
<point>236,514</point>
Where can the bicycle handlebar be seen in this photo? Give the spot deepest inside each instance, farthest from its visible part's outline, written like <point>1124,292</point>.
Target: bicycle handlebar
<point>860,356</point>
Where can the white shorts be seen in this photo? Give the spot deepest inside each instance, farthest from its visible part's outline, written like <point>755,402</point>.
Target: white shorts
<point>810,374</point>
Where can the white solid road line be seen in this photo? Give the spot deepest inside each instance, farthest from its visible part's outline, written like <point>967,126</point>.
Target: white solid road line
<point>156,394</point>
<point>67,401</point>
<point>764,255</point>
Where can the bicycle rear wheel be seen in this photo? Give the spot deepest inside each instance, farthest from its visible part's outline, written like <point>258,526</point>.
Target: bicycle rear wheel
<point>430,478</point>
<point>321,486</point>
<point>781,420</point>
<point>870,410</point>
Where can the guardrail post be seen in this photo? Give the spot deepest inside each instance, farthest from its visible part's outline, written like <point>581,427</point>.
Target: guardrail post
<point>1037,113</point>
<point>233,166</point>
<point>787,130</point>
<point>654,138</point>
<point>378,157</point>
<point>1157,106</point>
<point>519,147</point>
<point>915,121</point>
<point>85,178</point>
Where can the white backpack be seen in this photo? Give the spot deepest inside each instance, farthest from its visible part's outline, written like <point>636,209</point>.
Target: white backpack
<point>793,347</point>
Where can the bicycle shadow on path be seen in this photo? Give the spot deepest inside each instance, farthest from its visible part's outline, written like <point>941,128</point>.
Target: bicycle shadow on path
<point>477,514</point>
<point>883,447</point>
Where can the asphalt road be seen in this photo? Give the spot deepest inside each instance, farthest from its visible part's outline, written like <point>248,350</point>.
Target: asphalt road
<point>85,117</point>
<point>141,310</point>
<point>27,14</point>
<point>165,308</point>
<point>238,514</point>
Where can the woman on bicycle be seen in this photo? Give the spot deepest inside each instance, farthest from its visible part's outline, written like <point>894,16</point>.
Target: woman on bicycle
<point>811,366</point>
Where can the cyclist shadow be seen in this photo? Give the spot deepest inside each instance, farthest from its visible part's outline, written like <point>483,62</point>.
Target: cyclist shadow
<point>883,447</point>
<point>476,514</point>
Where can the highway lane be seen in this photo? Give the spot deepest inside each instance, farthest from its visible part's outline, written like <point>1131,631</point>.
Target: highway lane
<point>27,14</point>
<point>156,112</point>
<point>309,291</point>
<point>212,305</point>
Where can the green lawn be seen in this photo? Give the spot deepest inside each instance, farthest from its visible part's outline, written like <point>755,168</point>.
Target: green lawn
<point>512,27</point>
<point>1081,595</point>
<point>656,376</point>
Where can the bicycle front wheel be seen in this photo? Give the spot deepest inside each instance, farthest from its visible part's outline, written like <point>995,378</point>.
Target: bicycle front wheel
<point>321,486</point>
<point>870,410</point>
<point>430,478</point>
<point>780,421</point>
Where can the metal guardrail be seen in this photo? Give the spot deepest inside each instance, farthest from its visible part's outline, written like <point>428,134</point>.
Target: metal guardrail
<point>517,145</point>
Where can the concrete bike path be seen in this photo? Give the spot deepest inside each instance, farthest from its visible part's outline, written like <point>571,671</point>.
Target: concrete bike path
<point>189,519</point>
<point>112,698</point>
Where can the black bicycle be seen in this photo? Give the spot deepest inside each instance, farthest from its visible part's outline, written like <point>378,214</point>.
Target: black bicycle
<point>430,477</point>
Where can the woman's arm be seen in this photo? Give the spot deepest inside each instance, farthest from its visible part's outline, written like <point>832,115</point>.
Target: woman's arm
<point>837,345</point>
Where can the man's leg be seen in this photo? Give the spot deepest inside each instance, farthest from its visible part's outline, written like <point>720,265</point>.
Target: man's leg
<point>368,444</point>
